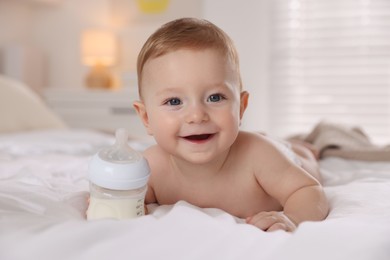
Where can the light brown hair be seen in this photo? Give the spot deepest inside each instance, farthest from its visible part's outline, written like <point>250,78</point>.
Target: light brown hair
<point>190,33</point>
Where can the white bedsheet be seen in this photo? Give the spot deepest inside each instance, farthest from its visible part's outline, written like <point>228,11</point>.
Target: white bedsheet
<point>43,192</point>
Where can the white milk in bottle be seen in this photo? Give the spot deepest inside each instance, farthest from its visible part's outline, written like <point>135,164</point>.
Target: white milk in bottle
<point>118,178</point>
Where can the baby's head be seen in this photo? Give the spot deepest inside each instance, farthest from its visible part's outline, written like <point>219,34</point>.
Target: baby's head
<point>187,33</point>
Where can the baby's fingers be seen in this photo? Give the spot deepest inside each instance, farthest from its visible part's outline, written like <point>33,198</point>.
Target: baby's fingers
<point>271,221</point>
<point>278,226</point>
<point>88,202</point>
<point>263,220</point>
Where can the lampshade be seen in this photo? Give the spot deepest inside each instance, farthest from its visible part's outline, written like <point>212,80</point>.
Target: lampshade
<point>98,50</point>
<point>98,47</point>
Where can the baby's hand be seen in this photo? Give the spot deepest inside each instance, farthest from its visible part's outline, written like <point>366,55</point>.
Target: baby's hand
<point>271,221</point>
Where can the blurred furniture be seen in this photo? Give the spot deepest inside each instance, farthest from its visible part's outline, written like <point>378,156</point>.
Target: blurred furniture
<point>96,109</point>
<point>24,63</point>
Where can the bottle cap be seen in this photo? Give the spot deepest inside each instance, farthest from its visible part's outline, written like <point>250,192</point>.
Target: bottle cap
<point>119,167</point>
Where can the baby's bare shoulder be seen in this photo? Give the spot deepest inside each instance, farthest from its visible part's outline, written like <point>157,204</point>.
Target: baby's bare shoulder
<point>252,140</point>
<point>256,146</point>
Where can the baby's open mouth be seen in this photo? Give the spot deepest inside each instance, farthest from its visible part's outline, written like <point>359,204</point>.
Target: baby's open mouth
<point>201,137</point>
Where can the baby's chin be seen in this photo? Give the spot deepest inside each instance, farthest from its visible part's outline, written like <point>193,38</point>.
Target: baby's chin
<point>204,158</point>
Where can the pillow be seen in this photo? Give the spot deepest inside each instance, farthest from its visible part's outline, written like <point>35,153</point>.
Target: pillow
<point>21,109</point>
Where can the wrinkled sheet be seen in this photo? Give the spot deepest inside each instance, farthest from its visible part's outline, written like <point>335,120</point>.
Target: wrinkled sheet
<point>44,188</point>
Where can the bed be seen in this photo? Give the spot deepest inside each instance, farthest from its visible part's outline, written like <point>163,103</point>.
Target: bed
<point>44,191</point>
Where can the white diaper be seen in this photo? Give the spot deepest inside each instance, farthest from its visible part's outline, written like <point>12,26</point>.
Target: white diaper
<point>285,148</point>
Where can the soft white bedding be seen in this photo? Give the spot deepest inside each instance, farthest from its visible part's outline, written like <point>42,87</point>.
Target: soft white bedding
<point>43,191</point>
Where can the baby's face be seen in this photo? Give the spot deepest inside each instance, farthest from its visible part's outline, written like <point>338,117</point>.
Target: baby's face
<point>192,101</point>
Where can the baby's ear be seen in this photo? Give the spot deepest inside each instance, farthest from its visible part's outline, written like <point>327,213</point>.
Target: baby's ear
<point>143,115</point>
<point>244,102</point>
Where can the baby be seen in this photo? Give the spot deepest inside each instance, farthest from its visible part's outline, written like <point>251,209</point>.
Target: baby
<point>192,103</point>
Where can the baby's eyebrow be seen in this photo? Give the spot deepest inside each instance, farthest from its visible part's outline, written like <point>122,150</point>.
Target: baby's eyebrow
<point>166,91</point>
<point>215,87</point>
<point>223,86</point>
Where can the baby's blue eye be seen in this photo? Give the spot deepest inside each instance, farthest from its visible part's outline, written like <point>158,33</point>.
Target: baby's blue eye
<point>215,98</point>
<point>174,102</point>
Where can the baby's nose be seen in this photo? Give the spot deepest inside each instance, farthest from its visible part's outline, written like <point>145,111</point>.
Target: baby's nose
<point>196,114</point>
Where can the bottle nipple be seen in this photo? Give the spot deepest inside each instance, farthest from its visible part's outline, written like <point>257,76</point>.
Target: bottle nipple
<point>120,152</point>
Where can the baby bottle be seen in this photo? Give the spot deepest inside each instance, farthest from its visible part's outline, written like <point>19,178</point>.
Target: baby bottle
<point>118,177</point>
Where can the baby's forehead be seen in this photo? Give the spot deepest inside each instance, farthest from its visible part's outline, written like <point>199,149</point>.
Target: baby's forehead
<point>189,56</point>
<point>164,58</point>
<point>206,61</point>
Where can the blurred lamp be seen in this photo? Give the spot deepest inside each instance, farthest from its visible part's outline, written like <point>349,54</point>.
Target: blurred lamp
<point>98,49</point>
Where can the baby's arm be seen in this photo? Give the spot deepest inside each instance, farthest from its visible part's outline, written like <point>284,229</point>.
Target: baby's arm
<point>306,203</point>
<point>300,194</point>
<point>150,196</point>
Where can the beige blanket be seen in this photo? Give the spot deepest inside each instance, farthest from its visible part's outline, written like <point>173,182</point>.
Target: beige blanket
<point>336,140</point>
